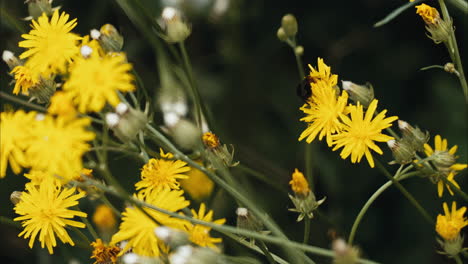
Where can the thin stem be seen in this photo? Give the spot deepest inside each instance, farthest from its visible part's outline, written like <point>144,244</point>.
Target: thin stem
<point>195,93</point>
<point>260,176</point>
<point>8,221</point>
<point>460,4</point>
<point>408,195</point>
<point>266,252</point>
<point>458,259</point>
<point>219,228</point>
<point>110,205</point>
<point>454,52</point>
<point>20,101</point>
<point>306,230</point>
<point>81,235</point>
<point>455,189</point>
<point>90,228</point>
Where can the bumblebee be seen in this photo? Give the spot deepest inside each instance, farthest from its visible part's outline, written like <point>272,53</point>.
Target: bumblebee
<point>303,89</point>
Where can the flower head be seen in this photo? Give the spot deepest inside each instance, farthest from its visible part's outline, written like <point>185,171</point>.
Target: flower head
<point>323,73</point>
<point>104,218</point>
<point>299,184</point>
<point>95,80</point>
<point>210,140</point>
<point>58,145</point>
<point>103,253</point>
<point>449,225</point>
<point>14,134</point>
<point>360,131</point>
<point>24,79</point>
<point>62,105</point>
<point>198,185</point>
<point>50,44</point>
<point>162,173</point>
<point>138,228</point>
<point>444,161</point>
<point>200,234</point>
<point>44,212</point>
<point>323,111</point>
<point>428,13</point>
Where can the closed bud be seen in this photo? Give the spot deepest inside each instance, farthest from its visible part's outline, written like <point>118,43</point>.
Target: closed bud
<point>413,136</point>
<point>186,134</point>
<point>172,237</point>
<point>246,220</point>
<point>364,94</point>
<point>299,50</point>
<point>128,124</point>
<point>281,34</point>
<point>403,153</point>
<point>450,68</point>
<point>174,26</point>
<point>443,160</point>
<point>110,39</point>
<point>15,197</point>
<point>305,205</point>
<point>43,91</point>
<point>344,253</point>
<point>10,59</point>
<point>441,31</point>
<point>37,7</point>
<point>216,150</point>
<point>452,247</point>
<point>289,24</point>
<point>195,255</point>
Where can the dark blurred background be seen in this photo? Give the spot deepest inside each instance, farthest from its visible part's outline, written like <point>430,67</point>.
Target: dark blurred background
<point>247,79</point>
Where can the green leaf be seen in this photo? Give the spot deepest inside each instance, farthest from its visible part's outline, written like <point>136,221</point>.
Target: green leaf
<point>396,13</point>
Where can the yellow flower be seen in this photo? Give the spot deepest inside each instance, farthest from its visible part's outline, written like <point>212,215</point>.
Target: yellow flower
<point>138,229</point>
<point>37,177</point>
<point>24,79</point>
<point>44,212</point>
<point>104,218</point>
<point>50,44</point>
<point>198,185</point>
<point>62,105</point>
<point>299,184</point>
<point>58,145</point>
<point>323,73</point>
<point>449,225</point>
<point>96,80</point>
<point>210,140</point>
<point>162,173</point>
<point>360,132</point>
<point>323,111</point>
<point>429,14</point>
<point>444,160</point>
<point>200,234</point>
<point>104,254</point>
<point>14,133</point>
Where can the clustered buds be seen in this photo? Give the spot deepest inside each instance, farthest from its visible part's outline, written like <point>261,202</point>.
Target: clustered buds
<point>412,141</point>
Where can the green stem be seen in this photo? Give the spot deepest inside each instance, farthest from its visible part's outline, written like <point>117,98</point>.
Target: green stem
<point>408,195</point>
<point>20,101</point>
<point>219,228</point>
<point>306,230</point>
<point>266,252</point>
<point>460,4</point>
<point>260,176</point>
<point>110,205</point>
<point>458,259</point>
<point>90,228</point>
<point>82,236</point>
<point>455,189</point>
<point>454,52</point>
<point>8,221</point>
<point>194,90</point>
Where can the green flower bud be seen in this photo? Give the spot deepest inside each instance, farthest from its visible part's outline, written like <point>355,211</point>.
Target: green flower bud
<point>172,237</point>
<point>299,50</point>
<point>413,136</point>
<point>440,31</point>
<point>305,205</point>
<point>344,253</point>
<point>281,34</point>
<point>126,122</point>
<point>196,255</point>
<point>289,25</point>
<point>37,7</point>
<point>10,59</point>
<point>246,220</point>
<point>43,91</point>
<point>186,134</point>
<point>110,39</point>
<point>15,197</point>
<point>452,247</point>
<point>176,29</point>
<point>363,94</point>
<point>403,153</point>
